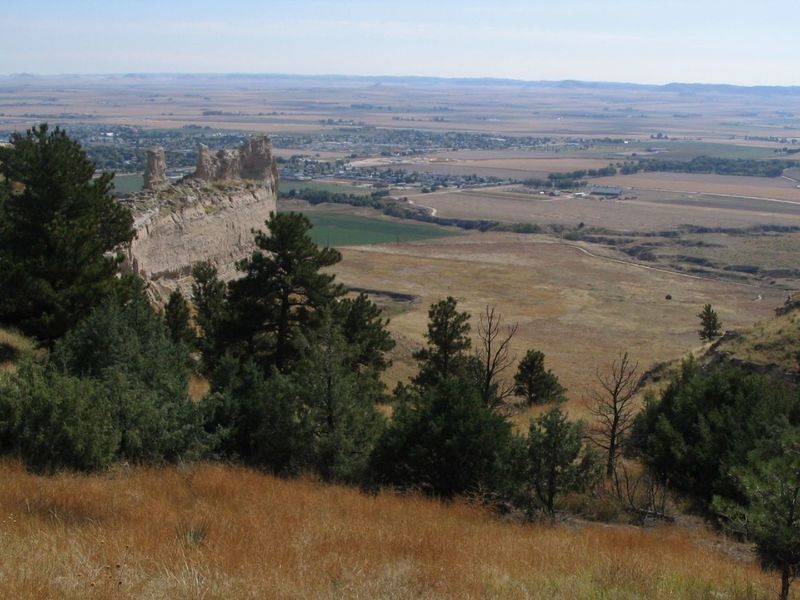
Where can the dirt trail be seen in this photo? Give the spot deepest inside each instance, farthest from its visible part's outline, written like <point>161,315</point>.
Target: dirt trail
<point>649,267</point>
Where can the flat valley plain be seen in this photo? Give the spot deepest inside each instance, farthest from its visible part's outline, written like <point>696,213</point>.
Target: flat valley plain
<point>581,299</point>
<point>579,307</point>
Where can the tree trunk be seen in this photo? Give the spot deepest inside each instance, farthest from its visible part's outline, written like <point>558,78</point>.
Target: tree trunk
<point>283,334</point>
<point>612,455</point>
<point>786,582</point>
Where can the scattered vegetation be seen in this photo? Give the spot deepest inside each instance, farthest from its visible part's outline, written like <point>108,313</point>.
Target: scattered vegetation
<point>295,386</point>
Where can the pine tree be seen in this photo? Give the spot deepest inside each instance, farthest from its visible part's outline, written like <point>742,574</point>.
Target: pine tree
<point>448,342</point>
<point>60,234</point>
<point>445,441</point>
<point>534,383</point>
<point>364,329</point>
<point>209,296</point>
<point>282,290</point>
<point>558,461</point>
<point>339,409</point>
<point>176,318</point>
<point>710,325</point>
<point>771,515</point>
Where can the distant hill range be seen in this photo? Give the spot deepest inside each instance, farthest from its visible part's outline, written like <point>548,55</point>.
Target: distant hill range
<point>358,80</point>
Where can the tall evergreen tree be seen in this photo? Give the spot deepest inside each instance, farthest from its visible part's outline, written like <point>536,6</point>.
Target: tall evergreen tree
<point>448,341</point>
<point>282,290</point>
<point>176,318</point>
<point>60,234</point>
<point>364,329</point>
<point>534,383</point>
<point>558,461</point>
<point>710,325</point>
<point>339,409</point>
<point>770,514</point>
<point>210,298</point>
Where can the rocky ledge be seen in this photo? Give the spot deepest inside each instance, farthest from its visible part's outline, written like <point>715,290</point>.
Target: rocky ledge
<point>203,217</point>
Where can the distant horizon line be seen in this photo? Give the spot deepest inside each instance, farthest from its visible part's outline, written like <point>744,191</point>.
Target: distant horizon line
<point>440,78</point>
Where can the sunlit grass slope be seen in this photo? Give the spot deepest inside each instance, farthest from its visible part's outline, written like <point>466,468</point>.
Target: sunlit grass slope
<point>213,531</point>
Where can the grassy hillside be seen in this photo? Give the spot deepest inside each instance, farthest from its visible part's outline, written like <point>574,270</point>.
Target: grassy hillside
<point>770,346</point>
<point>211,531</point>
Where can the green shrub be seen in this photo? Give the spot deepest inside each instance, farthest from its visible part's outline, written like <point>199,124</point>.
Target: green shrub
<point>443,440</point>
<point>126,349</point>
<point>706,423</point>
<point>54,420</point>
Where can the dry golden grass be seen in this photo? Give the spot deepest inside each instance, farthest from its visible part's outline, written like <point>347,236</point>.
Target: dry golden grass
<point>580,310</point>
<point>12,345</point>
<point>759,187</point>
<point>770,343</point>
<point>212,531</point>
<point>638,211</point>
<point>198,387</point>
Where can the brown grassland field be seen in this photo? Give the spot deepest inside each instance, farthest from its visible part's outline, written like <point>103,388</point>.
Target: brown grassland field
<point>214,531</point>
<point>637,210</point>
<point>729,185</point>
<point>221,531</point>
<point>579,307</point>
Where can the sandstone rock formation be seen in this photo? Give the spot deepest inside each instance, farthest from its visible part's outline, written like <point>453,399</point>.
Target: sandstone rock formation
<point>206,169</point>
<point>209,216</point>
<point>252,160</point>
<point>155,170</point>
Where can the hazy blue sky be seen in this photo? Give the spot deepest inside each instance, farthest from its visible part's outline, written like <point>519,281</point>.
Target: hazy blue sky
<point>649,41</point>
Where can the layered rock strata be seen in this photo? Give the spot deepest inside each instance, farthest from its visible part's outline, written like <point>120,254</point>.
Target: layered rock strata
<point>197,219</point>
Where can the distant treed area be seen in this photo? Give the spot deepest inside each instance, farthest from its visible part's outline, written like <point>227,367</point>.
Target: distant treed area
<point>122,149</point>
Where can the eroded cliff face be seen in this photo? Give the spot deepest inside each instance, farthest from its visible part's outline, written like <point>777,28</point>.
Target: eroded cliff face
<point>252,160</point>
<point>198,219</point>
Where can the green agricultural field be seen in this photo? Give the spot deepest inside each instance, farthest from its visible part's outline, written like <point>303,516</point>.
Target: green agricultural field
<point>323,186</point>
<point>347,230</point>
<point>128,183</point>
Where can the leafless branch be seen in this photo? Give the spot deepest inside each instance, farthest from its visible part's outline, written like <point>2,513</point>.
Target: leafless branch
<point>612,405</point>
<point>494,355</point>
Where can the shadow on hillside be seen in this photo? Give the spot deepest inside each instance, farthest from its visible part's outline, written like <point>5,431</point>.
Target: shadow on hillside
<point>8,353</point>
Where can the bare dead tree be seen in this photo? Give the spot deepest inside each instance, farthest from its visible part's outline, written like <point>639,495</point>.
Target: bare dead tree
<point>642,494</point>
<point>612,406</point>
<point>493,357</point>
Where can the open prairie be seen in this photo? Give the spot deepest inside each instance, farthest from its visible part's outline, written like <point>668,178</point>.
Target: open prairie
<point>579,307</point>
<point>778,188</point>
<point>280,104</point>
<point>211,531</point>
<point>637,210</point>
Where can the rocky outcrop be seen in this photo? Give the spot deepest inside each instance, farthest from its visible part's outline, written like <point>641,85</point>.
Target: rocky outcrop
<point>155,170</point>
<point>192,222</point>
<point>257,161</point>
<point>206,169</point>
<point>209,216</point>
<point>792,304</point>
<point>253,160</point>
